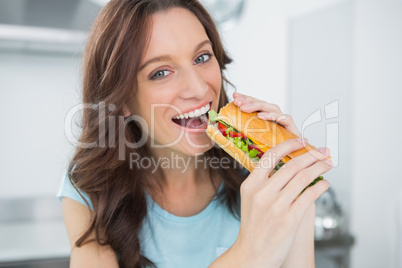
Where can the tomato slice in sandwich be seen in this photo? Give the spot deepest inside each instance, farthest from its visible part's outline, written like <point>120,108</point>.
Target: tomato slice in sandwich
<point>222,128</point>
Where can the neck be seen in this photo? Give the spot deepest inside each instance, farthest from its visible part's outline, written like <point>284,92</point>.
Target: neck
<point>183,185</point>
<point>177,169</point>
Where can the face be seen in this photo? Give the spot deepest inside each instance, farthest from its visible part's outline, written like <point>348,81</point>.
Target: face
<point>179,77</point>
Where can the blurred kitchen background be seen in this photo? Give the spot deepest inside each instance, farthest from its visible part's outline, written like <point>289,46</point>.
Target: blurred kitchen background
<point>334,65</point>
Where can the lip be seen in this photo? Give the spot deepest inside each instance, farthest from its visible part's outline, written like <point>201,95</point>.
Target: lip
<point>194,108</point>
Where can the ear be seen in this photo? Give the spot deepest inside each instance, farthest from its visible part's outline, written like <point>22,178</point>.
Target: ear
<point>126,111</point>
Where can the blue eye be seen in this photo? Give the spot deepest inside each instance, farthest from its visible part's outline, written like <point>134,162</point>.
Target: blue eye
<point>203,58</point>
<point>160,74</point>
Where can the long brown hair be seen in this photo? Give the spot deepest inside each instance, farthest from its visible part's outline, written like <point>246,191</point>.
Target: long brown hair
<point>116,190</point>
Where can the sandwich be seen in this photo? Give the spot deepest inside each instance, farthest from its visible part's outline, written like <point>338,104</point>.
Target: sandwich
<point>246,137</point>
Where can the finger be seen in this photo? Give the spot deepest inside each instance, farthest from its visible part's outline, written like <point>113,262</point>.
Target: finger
<point>249,98</point>
<point>283,119</point>
<point>271,157</point>
<point>269,111</point>
<point>289,170</point>
<point>258,105</point>
<point>303,179</point>
<point>237,94</point>
<point>299,207</point>
<point>240,99</point>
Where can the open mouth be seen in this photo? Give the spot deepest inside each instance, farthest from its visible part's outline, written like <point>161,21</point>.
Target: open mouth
<point>194,119</point>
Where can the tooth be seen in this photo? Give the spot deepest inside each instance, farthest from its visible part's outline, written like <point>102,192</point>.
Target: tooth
<point>195,113</point>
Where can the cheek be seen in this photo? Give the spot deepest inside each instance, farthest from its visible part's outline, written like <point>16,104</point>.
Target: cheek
<point>153,97</point>
<point>142,106</point>
<point>158,93</point>
<point>213,77</point>
<point>152,104</point>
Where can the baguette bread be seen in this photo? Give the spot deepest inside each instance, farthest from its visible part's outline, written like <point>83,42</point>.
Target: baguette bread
<point>230,148</point>
<point>264,134</point>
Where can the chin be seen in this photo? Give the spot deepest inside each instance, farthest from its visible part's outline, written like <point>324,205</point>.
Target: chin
<point>196,148</point>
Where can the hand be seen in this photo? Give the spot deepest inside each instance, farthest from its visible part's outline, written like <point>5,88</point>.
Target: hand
<point>301,252</point>
<point>267,111</point>
<point>271,216</point>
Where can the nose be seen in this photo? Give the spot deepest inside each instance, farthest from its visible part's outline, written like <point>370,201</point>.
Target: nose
<point>193,85</point>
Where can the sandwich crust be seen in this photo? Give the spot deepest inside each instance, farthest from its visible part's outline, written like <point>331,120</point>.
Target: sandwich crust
<point>265,134</point>
<point>230,148</point>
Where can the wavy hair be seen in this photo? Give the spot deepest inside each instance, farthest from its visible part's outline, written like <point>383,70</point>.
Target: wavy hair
<point>116,190</point>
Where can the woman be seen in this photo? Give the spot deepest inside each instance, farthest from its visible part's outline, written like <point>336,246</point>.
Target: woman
<point>156,200</point>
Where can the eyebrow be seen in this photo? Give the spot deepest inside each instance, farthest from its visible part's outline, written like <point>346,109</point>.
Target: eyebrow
<point>167,57</point>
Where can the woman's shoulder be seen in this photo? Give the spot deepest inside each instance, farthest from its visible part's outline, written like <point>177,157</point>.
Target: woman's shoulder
<point>67,189</point>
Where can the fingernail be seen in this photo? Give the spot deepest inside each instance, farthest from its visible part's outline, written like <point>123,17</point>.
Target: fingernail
<point>322,150</point>
<point>328,161</point>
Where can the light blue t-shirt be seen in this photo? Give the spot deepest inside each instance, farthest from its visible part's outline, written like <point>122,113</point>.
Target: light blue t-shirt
<point>171,241</point>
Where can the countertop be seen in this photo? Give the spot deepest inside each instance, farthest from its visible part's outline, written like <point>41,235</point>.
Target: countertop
<point>33,240</point>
